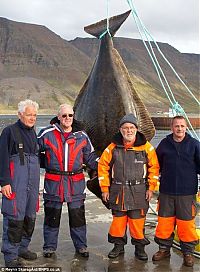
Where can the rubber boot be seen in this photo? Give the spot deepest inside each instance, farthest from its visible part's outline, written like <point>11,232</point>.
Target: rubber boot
<point>140,253</point>
<point>116,251</point>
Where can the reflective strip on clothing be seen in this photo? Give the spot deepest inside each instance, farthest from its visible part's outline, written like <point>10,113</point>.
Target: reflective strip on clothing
<point>66,156</point>
<point>91,146</point>
<point>46,131</point>
<point>156,177</point>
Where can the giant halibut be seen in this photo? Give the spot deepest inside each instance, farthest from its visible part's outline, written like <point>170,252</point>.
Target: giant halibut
<point>108,93</point>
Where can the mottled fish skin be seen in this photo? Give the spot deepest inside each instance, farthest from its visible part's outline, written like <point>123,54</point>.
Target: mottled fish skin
<point>108,93</point>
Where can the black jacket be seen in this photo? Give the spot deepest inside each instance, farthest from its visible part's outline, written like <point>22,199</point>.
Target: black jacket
<point>179,165</point>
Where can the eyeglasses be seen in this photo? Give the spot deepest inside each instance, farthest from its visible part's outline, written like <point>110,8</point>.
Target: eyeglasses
<point>67,115</point>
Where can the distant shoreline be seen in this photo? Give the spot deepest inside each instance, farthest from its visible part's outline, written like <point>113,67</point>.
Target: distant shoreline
<point>15,114</point>
<point>190,115</point>
<point>160,121</point>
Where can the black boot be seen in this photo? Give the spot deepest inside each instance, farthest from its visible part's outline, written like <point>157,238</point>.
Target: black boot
<point>118,249</point>
<point>13,263</point>
<point>49,253</point>
<point>28,255</point>
<point>140,253</point>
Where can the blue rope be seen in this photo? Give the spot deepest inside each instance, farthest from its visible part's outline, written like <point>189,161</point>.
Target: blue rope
<point>107,28</point>
<point>153,58</point>
<point>175,105</point>
<point>148,33</point>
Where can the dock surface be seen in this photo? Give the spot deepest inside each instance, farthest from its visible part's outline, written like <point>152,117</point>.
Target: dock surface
<point>98,222</point>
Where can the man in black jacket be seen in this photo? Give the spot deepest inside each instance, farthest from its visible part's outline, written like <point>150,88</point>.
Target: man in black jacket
<point>179,159</point>
<point>19,180</point>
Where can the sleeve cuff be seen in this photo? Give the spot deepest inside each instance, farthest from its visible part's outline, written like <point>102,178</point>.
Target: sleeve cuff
<point>104,189</point>
<point>152,187</point>
<point>4,183</point>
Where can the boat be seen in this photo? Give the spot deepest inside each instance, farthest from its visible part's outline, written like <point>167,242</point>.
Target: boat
<point>164,122</point>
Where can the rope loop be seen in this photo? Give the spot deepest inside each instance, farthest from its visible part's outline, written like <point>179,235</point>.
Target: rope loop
<point>177,108</point>
<point>107,29</point>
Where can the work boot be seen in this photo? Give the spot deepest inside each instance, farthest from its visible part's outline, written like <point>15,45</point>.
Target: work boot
<point>140,253</point>
<point>48,253</point>
<point>116,251</point>
<point>83,252</point>
<point>13,263</point>
<point>161,254</point>
<point>188,260</point>
<point>28,255</point>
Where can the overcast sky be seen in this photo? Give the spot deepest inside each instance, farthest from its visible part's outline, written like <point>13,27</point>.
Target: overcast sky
<point>173,21</point>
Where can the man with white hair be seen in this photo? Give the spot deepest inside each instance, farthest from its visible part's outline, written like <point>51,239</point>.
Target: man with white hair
<point>19,180</point>
<point>66,149</point>
<point>128,173</point>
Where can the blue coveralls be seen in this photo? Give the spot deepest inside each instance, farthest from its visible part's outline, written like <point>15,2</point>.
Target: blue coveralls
<point>65,182</point>
<point>19,213</point>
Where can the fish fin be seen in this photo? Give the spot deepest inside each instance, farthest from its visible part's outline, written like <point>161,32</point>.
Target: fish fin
<point>114,24</point>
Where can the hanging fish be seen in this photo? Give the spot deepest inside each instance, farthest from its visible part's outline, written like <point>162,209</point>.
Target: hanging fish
<point>108,93</point>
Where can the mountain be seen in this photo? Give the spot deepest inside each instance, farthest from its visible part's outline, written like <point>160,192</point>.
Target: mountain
<point>38,64</point>
<point>143,73</point>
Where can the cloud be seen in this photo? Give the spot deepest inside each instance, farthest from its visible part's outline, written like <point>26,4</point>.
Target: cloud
<point>171,21</point>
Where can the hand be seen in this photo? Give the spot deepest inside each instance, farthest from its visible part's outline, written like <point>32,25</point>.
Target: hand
<point>149,195</point>
<point>105,196</point>
<point>6,190</point>
<point>198,194</point>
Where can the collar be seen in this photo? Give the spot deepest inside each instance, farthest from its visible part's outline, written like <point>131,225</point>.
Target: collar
<point>170,138</point>
<point>140,139</point>
<point>23,126</point>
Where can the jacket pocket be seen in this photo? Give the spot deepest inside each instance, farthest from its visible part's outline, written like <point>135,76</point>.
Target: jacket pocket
<point>139,195</point>
<point>114,197</point>
<point>51,187</point>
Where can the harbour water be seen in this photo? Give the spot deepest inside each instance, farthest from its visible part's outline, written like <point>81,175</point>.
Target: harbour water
<point>43,121</point>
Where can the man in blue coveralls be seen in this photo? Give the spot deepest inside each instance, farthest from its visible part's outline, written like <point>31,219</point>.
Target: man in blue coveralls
<point>19,180</point>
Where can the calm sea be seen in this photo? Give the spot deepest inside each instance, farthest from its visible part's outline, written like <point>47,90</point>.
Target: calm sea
<point>43,121</point>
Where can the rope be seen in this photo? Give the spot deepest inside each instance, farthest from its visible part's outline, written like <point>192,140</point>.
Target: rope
<point>174,104</point>
<point>146,32</point>
<point>154,60</point>
<point>107,28</point>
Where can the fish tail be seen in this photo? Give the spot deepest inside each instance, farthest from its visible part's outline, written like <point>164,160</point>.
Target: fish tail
<point>100,27</point>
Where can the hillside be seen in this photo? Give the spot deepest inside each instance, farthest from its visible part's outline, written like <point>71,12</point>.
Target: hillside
<point>38,64</point>
<point>144,76</point>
